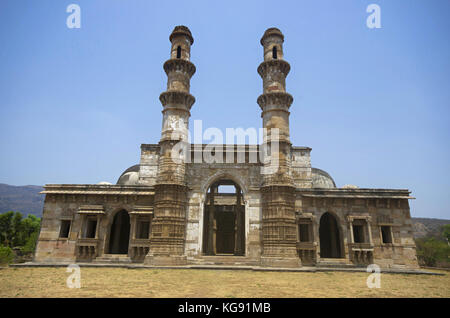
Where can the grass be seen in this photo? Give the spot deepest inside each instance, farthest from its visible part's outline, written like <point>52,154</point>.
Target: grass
<point>174,283</point>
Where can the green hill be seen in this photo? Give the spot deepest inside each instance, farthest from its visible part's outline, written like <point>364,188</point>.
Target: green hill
<point>24,199</point>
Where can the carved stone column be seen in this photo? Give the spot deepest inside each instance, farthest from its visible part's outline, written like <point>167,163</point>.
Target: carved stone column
<point>212,222</point>
<point>238,226</point>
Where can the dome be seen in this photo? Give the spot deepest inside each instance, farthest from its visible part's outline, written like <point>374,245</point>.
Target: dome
<point>350,186</point>
<point>104,183</point>
<point>321,179</point>
<point>129,176</point>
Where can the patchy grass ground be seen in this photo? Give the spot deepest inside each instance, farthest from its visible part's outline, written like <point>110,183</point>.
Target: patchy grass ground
<point>117,282</point>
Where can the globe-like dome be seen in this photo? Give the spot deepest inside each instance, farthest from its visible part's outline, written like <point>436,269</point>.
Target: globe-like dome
<point>321,179</point>
<point>129,176</point>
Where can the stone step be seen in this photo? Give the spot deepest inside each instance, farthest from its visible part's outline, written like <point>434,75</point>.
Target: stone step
<point>334,262</point>
<point>224,260</point>
<point>115,255</point>
<point>113,258</point>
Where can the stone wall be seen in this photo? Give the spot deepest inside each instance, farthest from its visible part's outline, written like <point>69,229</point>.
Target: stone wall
<point>60,206</point>
<point>301,167</point>
<point>49,247</point>
<point>149,164</point>
<point>377,207</point>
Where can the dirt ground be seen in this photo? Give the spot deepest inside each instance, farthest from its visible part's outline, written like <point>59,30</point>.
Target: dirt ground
<point>175,283</point>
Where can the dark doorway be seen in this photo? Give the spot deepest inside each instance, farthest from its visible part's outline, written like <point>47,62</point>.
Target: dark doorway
<point>224,220</point>
<point>120,233</point>
<point>225,238</point>
<point>329,234</point>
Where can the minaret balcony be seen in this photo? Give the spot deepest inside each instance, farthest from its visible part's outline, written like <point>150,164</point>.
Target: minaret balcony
<point>177,98</point>
<point>273,66</point>
<point>280,99</point>
<point>179,65</point>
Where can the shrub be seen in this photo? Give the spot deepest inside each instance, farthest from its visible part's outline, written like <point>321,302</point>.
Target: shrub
<point>6,255</point>
<point>30,244</point>
<point>431,251</point>
<point>16,231</point>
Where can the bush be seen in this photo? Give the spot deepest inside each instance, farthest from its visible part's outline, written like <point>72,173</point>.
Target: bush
<point>30,244</point>
<point>16,231</point>
<point>432,252</point>
<point>6,255</point>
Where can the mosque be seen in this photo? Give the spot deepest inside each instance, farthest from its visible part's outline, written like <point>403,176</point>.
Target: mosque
<point>173,210</point>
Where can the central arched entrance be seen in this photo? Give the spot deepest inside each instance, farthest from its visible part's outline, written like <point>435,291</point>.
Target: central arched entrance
<point>224,220</point>
<point>329,235</point>
<point>120,233</point>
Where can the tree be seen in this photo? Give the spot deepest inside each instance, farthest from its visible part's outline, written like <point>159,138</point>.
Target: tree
<point>6,229</point>
<point>435,250</point>
<point>16,231</point>
<point>6,255</point>
<point>446,233</point>
<point>429,250</point>
<point>30,244</point>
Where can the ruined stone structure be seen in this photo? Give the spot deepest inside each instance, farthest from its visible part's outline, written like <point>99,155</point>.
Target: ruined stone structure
<point>165,211</point>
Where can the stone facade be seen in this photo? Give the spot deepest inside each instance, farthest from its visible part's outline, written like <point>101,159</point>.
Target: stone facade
<point>175,212</point>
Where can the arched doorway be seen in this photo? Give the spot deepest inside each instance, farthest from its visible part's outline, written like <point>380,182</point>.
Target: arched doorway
<point>120,233</point>
<point>329,235</point>
<point>224,220</point>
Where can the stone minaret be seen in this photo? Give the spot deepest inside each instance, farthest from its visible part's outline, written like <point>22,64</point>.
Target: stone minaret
<point>278,191</point>
<point>169,222</point>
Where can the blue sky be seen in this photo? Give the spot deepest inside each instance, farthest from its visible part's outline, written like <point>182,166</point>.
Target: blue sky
<point>373,104</point>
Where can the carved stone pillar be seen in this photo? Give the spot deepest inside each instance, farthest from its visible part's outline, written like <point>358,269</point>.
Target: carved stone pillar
<point>97,227</point>
<point>369,230</point>
<point>212,223</point>
<point>238,226</point>
<point>279,227</point>
<point>133,221</point>
<point>168,228</point>
<point>350,223</point>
